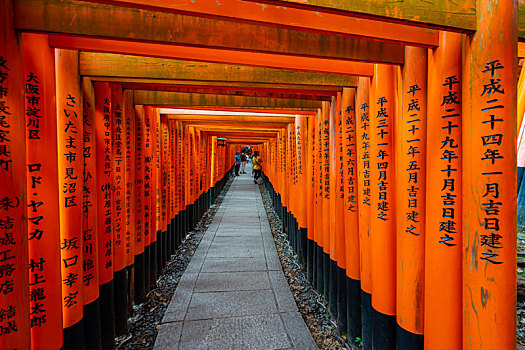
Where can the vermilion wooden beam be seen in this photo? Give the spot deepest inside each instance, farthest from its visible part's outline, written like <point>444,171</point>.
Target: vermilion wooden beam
<point>236,124</point>
<point>285,88</point>
<point>231,92</point>
<point>281,110</point>
<point>235,118</point>
<point>226,90</point>
<point>241,135</point>
<point>199,54</point>
<point>232,127</point>
<point>292,18</point>
<point>103,64</point>
<point>450,14</point>
<point>179,99</point>
<point>248,141</point>
<point>107,21</point>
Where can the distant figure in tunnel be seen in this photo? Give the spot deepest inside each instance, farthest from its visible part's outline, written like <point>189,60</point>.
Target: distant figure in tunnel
<point>243,162</point>
<point>237,162</point>
<point>257,166</point>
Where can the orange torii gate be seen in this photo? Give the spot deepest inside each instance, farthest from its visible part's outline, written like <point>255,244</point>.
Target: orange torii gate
<point>405,143</point>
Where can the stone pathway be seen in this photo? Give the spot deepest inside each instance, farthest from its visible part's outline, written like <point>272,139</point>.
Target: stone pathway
<point>233,294</point>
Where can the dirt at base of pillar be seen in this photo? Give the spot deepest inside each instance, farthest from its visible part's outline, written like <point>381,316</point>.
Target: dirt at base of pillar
<point>311,305</point>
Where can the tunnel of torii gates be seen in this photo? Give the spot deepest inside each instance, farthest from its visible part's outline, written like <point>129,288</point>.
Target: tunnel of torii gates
<point>388,132</point>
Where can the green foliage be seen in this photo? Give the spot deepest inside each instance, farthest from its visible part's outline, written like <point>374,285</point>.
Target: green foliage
<point>359,341</point>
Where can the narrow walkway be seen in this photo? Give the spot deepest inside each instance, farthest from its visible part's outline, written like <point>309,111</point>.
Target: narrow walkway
<point>234,295</point>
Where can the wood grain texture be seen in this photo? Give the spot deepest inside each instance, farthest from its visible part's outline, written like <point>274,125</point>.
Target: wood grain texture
<point>459,15</point>
<point>162,98</point>
<point>112,65</point>
<point>101,20</point>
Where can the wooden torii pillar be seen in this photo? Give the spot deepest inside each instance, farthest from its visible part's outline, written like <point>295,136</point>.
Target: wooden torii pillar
<point>489,178</point>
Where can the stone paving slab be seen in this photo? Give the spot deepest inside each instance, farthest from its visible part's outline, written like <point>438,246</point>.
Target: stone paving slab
<point>234,264</point>
<point>233,294</point>
<point>248,332</point>
<point>235,252</point>
<point>232,281</point>
<point>228,304</point>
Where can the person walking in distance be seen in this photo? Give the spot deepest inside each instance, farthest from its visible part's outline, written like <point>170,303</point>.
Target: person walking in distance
<point>243,162</point>
<point>257,166</point>
<point>237,163</point>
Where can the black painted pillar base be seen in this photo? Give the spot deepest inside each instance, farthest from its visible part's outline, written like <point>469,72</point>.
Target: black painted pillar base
<point>407,340</point>
<point>74,336</point>
<point>309,260</point>
<point>313,261</point>
<point>326,279</point>
<point>147,268</point>
<point>383,331</point>
<point>107,315</point>
<point>169,239</point>
<point>153,265</point>
<point>353,309</point>
<point>180,228</point>
<point>320,269</point>
<point>194,213</point>
<point>173,237</point>
<point>165,248</point>
<point>92,336</point>
<point>303,238</point>
<point>158,253</point>
<point>138,281</point>
<point>130,292</point>
<point>284,219</point>
<point>341,299</point>
<point>367,320</point>
<point>120,301</point>
<point>332,285</point>
<point>187,218</point>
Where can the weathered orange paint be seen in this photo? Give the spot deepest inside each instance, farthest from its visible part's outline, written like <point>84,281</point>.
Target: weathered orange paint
<point>139,180</point>
<point>70,171</point>
<point>448,14</point>
<point>410,135</point>
<point>310,176</point>
<point>350,182</point>
<point>90,291</point>
<point>15,328</point>
<point>119,180</point>
<point>318,233</point>
<point>489,178</point>
<point>301,136</point>
<point>443,249</point>
<point>149,176</point>
<point>102,134</point>
<point>43,224</point>
<point>364,98</point>
<point>173,51</point>
<point>382,173</point>
<point>289,17</point>
<point>339,244</point>
<point>130,176</point>
<point>326,112</point>
<point>164,178</point>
